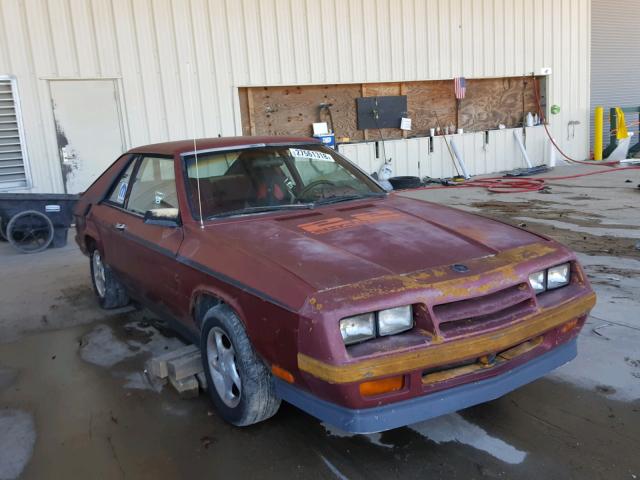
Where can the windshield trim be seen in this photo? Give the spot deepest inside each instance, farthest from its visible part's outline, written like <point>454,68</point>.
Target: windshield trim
<point>246,146</point>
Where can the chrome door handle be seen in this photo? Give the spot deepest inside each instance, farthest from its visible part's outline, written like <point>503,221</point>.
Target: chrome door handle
<point>120,226</point>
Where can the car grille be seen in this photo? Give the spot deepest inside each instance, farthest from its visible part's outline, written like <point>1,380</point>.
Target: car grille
<point>485,312</point>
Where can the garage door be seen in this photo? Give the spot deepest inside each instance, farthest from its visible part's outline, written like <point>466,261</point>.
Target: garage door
<point>615,63</point>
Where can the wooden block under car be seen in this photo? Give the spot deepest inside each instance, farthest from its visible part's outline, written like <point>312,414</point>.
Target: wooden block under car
<point>187,387</point>
<point>185,365</point>
<point>158,365</point>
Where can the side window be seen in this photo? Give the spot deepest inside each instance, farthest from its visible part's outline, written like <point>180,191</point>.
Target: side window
<point>119,192</point>
<point>154,186</point>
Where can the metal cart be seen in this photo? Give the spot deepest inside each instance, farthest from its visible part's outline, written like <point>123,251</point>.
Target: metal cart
<point>33,222</point>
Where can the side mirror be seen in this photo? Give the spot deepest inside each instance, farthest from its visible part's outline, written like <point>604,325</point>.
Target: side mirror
<point>164,217</point>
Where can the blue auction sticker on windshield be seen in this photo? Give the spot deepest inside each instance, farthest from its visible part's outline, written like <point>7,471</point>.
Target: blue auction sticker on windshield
<point>122,192</point>
<point>313,154</point>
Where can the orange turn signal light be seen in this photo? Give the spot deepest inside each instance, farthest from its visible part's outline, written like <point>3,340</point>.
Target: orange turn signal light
<point>282,373</point>
<point>570,325</point>
<point>377,387</point>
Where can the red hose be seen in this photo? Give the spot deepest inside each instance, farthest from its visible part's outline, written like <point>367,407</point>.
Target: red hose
<point>546,129</point>
<point>520,184</point>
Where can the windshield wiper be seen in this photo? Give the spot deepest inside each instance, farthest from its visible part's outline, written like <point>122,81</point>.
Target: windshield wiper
<point>346,198</point>
<point>261,209</point>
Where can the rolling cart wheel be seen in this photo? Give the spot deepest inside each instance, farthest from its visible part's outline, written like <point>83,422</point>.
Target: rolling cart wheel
<point>3,229</point>
<point>30,231</point>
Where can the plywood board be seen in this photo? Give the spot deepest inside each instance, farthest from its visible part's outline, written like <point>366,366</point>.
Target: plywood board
<point>431,103</point>
<point>292,110</point>
<point>495,101</point>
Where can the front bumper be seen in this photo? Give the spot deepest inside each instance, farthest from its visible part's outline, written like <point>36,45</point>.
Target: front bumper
<point>398,414</point>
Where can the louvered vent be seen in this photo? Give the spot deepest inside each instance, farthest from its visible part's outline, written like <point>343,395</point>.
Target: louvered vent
<point>12,157</point>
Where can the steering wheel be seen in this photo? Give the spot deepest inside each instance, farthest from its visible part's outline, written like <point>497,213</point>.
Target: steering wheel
<point>313,185</point>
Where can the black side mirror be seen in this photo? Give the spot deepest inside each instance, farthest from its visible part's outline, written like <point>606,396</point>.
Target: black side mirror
<point>164,217</point>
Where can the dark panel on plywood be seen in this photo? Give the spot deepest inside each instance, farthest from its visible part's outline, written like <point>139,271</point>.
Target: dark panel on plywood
<point>381,112</point>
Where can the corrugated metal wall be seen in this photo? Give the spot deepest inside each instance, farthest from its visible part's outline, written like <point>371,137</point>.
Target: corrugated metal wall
<point>615,63</point>
<point>160,50</point>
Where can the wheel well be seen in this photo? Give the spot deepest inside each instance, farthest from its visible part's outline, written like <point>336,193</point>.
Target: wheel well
<point>202,305</point>
<point>90,243</point>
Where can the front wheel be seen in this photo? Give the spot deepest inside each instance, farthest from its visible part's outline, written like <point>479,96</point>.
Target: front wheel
<point>239,383</point>
<point>110,292</point>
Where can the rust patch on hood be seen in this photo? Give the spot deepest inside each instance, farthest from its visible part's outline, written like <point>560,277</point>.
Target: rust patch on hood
<point>501,266</point>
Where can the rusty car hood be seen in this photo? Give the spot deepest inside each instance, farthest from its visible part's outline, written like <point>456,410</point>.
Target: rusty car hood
<point>349,242</point>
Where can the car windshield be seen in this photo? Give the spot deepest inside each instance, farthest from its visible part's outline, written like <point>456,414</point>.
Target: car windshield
<point>272,178</point>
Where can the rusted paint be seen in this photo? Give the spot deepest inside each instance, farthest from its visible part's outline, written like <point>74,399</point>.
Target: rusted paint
<point>62,141</point>
<point>314,303</point>
<point>451,373</point>
<point>459,287</point>
<point>450,352</point>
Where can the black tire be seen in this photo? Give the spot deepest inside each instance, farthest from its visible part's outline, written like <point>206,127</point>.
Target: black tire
<point>113,293</point>
<point>401,183</point>
<point>257,400</point>
<point>30,231</point>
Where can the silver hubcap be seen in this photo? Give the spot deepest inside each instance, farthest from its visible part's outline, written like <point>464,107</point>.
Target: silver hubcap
<point>98,274</point>
<point>222,367</point>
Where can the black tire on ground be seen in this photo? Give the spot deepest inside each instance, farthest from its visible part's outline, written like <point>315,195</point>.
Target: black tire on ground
<point>30,231</point>
<point>400,183</point>
<point>256,399</point>
<point>111,293</point>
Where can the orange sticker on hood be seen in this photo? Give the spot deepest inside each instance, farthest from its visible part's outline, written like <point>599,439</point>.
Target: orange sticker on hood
<point>357,219</point>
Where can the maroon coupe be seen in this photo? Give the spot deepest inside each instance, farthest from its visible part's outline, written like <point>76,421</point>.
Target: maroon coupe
<point>303,280</point>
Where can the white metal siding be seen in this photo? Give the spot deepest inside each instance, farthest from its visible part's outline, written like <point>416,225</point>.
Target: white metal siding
<point>615,63</point>
<point>159,50</point>
<point>414,157</point>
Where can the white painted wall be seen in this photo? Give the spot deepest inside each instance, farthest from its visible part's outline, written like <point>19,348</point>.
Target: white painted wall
<point>150,47</point>
<point>480,155</point>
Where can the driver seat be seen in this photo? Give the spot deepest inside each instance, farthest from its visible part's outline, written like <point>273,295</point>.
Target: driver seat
<point>267,176</point>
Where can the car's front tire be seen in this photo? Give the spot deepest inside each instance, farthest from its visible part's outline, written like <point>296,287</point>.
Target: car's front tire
<point>110,292</point>
<point>239,383</point>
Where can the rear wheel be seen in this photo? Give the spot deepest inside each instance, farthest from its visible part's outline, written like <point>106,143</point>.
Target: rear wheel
<point>239,383</point>
<point>110,292</point>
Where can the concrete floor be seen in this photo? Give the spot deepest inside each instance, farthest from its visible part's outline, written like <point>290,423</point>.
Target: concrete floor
<point>75,403</point>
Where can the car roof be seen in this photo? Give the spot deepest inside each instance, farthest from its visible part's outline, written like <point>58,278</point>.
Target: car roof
<point>183,146</point>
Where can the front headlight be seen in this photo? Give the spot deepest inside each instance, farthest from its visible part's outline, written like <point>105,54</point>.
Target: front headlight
<point>558,276</point>
<point>537,281</point>
<point>395,320</point>
<point>358,328</point>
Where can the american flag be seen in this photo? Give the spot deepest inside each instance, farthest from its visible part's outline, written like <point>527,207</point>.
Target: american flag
<point>460,87</point>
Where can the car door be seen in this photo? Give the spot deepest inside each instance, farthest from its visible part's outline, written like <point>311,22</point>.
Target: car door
<point>143,254</point>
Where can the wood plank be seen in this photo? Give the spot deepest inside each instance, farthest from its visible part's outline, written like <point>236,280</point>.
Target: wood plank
<point>403,91</point>
<point>252,112</point>
<point>245,111</point>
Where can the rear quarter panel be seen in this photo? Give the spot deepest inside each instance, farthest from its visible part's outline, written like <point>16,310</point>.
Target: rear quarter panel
<point>85,227</point>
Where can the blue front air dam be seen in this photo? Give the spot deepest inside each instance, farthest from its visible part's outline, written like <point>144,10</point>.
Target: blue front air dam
<point>406,412</point>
